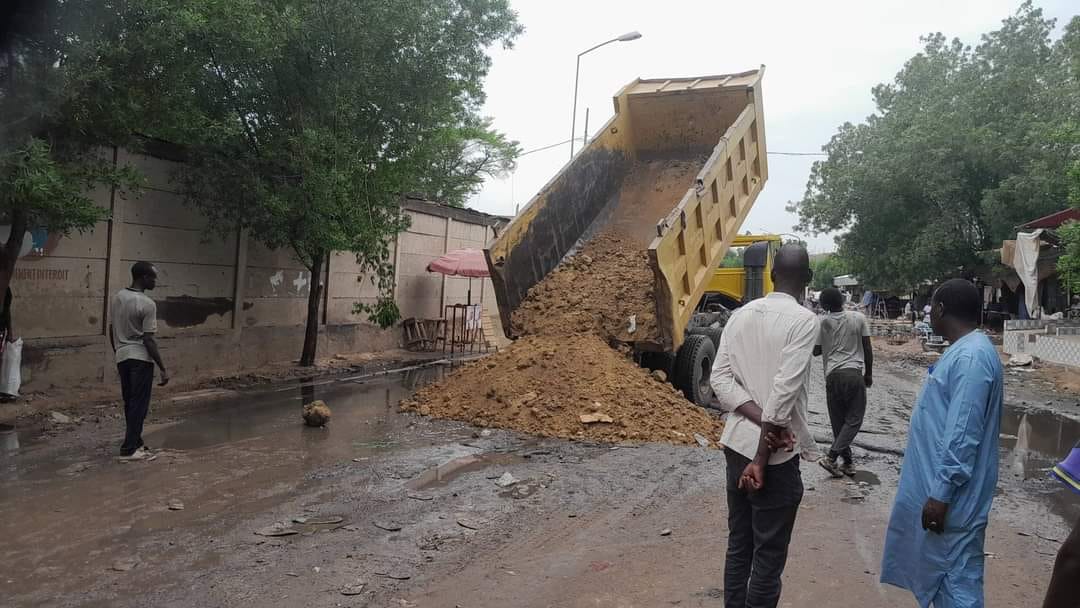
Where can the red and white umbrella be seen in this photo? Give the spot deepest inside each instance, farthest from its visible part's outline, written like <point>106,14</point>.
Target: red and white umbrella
<point>468,263</point>
<point>461,263</point>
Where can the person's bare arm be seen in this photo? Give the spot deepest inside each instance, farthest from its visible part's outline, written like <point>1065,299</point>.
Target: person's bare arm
<point>152,348</point>
<point>1065,580</point>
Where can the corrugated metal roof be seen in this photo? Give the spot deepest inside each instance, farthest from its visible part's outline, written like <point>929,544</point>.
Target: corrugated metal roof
<point>1054,220</point>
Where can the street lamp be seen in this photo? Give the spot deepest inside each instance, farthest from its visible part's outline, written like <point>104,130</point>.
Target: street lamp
<point>627,37</point>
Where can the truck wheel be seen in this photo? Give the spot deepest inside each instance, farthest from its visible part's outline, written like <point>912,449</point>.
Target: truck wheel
<point>693,366</point>
<point>712,333</point>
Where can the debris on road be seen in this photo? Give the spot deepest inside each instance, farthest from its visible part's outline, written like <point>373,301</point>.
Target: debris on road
<point>468,524</point>
<point>316,414</point>
<point>1021,360</point>
<point>703,442</point>
<point>125,564</point>
<point>595,417</point>
<point>506,480</point>
<point>319,520</point>
<point>59,418</point>
<point>354,589</point>
<point>665,532</point>
<point>416,496</point>
<point>175,505</point>
<point>277,529</point>
<point>659,375</point>
<point>388,526</point>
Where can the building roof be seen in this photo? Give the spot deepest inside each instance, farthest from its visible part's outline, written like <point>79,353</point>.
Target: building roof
<point>1054,220</point>
<point>460,214</point>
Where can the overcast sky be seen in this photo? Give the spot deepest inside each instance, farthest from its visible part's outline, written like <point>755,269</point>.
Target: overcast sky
<point>821,58</point>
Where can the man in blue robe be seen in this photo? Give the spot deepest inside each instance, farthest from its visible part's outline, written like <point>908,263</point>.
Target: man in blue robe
<point>934,542</point>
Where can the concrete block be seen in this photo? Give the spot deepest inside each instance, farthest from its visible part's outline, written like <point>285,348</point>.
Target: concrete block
<point>157,244</point>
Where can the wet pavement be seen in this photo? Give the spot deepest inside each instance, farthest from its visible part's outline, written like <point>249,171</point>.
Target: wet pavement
<point>416,515</point>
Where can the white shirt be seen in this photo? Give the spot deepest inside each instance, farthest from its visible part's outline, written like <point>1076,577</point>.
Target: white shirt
<point>841,340</point>
<point>764,357</point>
<point>134,315</point>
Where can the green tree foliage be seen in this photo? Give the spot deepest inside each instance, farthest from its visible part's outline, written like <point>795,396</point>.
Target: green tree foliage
<point>965,144</point>
<point>305,121</point>
<point>58,105</point>
<point>826,268</point>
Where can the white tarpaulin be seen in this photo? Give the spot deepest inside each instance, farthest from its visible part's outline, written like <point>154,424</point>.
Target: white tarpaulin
<point>1025,262</point>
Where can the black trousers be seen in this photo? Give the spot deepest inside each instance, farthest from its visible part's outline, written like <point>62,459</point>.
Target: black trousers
<point>136,383</point>
<point>845,393</point>
<point>759,530</point>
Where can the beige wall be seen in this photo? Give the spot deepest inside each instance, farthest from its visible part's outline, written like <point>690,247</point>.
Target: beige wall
<point>225,305</point>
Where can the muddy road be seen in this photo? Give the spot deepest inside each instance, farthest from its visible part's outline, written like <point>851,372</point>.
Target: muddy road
<point>400,510</point>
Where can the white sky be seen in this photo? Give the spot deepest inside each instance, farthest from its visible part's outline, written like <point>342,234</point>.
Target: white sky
<point>822,59</point>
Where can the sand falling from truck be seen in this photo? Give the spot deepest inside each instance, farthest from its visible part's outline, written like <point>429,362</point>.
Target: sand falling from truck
<point>562,377</point>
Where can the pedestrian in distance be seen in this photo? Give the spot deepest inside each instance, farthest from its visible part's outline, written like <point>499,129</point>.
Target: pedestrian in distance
<point>760,377</point>
<point>936,533</point>
<point>1064,590</point>
<point>844,345</point>
<point>134,324</point>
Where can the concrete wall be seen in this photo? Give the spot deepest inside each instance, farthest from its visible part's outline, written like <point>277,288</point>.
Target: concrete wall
<point>1054,341</point>
<point>225,304</point>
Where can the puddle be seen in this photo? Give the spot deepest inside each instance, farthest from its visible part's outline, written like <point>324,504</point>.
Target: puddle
<point>358,412</point>
<point>1032,443</point>
<point>451,470</point>
<point>866,477</point>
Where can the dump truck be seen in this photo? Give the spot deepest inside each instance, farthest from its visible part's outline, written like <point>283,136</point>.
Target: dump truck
<point>715,123</point>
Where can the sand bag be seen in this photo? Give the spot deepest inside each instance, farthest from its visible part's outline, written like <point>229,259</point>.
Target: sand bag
<point>10,376</point>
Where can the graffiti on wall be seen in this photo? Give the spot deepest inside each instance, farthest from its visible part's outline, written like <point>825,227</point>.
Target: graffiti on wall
<point>37,243</point>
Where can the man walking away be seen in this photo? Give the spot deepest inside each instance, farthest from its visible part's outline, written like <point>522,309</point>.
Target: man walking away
<point>760,377</point>
<point>134,323</point>
<point>934,542</point>
<point>844,344</point>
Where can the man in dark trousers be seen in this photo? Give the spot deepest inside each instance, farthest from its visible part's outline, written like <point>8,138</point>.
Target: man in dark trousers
<point>844,342</point>
<point>760,377</point>
<point>134,323</point>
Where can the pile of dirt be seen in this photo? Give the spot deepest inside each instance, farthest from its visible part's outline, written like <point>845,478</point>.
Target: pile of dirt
<point>607,289</point>
<point>562,379</point>
<point>568,386</point>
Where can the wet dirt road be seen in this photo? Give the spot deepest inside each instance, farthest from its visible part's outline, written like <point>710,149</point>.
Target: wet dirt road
<point>423,522</point>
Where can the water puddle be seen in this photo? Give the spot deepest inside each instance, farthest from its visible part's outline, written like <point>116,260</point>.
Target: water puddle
<point>866,477</point>
<point>451,470</point>
<point>1032,443</point>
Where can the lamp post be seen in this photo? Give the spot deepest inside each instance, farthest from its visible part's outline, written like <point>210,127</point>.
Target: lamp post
<point>627,37</point>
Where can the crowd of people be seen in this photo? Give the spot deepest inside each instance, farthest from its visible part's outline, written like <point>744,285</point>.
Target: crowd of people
<point>936,532</point>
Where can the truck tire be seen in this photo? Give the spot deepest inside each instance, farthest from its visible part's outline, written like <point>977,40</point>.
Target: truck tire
<point>693,366</point>
<point>712,333</point>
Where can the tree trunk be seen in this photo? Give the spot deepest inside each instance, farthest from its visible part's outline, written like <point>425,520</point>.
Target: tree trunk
<point>311,335</point>
<point>9,251</point>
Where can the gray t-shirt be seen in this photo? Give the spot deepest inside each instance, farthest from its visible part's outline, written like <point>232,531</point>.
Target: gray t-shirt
<point>134,314</point>
<point>840,340</point>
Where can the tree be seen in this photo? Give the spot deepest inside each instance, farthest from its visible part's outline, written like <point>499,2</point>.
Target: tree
<point>462,158</point>
<point>58,105</point>
<point>826,268</point>
<point>307,120</point>
<point>965,144</point>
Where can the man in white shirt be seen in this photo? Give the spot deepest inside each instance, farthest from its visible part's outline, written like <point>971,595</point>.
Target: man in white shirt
<point>761,378</point>
<point>844,344</point>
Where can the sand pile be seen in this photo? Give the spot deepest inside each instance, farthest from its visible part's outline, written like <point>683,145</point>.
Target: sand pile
<point>598,290</point>
<point>562,379</point>
<point>570,386</point>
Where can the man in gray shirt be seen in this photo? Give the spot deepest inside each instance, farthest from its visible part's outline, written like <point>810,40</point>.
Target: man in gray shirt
<point>844,342</point>
<point>134,323</point>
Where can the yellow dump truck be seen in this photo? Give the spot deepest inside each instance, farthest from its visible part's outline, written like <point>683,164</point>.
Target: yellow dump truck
<point>715,123</point>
